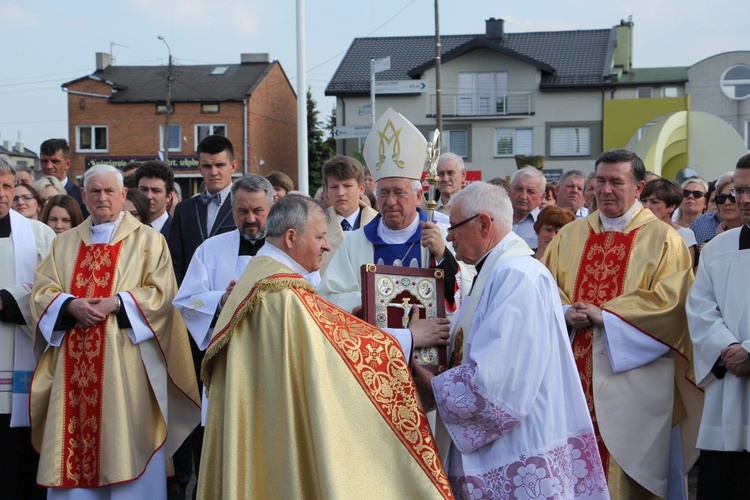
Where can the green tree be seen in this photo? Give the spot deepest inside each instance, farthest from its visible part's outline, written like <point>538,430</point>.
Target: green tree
<point>318,148</point>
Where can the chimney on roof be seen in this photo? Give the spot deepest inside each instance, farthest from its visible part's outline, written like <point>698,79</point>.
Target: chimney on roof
<point>103,60</point>
<point>261,57</point>
<point>495,29</point>
<point>623,56</point>
<point>19,147</point>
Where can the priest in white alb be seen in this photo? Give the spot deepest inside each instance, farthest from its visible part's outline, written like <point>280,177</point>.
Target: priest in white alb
<point>23,245</point>
<point>513,421</point>
<point>717,311</point>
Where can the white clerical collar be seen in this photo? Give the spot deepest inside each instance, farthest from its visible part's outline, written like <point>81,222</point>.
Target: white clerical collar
<point>352,219</point>
<point>618,224</point>
<point>159,222</point>
<point>397,236</point>
<point>269,250</point>
<point>103,233</point>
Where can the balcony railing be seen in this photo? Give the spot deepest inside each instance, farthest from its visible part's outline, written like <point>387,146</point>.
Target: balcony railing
<point>512,103</point>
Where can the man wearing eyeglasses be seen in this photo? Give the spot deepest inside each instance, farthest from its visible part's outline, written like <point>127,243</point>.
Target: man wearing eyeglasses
<point>624,276</point>
<point>717,315</point>
<point>395,153</point>
<point>513,370</point>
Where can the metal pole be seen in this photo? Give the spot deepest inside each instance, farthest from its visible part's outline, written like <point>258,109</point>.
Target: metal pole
<point>438,89</point>
<point>302,165</point>
<point>169,103</point>
<point>372,90</point>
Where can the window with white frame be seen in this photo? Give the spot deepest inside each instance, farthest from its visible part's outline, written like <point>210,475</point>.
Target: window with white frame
<point>735,82</point>
<point>645,92</point>
<point>452,141</point>
<point>513,141</point>
<point>175,134</point>
<point>671,92</point>
<point>204,130</point>
<point>482,93</point>
<point>92,138</point>
<point>457,142</point>
<point>570,141</point>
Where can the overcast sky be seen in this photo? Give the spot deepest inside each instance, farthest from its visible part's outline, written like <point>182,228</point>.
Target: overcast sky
<point>46,43</point>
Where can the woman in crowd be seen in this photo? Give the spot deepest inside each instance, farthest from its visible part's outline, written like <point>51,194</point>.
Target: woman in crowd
<point>711,197</point>
<point>550,197</point>
<point>548,223</point>
<point>26,201</point>
<point>726,205</point>
<point>589,201</point>
<point>662,197</point>
<point>137,204</point>
<point>281,183</point>
<point>693,201</point>
<point>61,212</point>
<point>49,186</point>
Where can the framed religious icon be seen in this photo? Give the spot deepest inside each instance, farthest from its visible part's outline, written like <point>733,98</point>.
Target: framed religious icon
<point>389,294</point>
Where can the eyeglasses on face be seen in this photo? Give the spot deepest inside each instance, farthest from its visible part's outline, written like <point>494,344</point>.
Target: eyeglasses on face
<point>25,197</point>
<point>696,194</point>
<point>459,224</point>
<point>722,198</point>
<point>738,192</point>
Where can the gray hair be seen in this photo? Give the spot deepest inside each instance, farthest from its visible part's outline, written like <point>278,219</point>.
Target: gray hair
<point>6,167</point>
<point>454,158</point>
<point>97,170</point>
<point>253,183</point>
<point>27,169</point>
<point>416,185</point>
<point>571,173</point>
<point>695,180</point>
<point>526,172</point>
<point>291,212</point>
<point>177,191</point>
<point>483,197</point>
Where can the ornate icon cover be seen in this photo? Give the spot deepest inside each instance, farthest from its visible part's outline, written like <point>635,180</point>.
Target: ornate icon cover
<point>388,295</point>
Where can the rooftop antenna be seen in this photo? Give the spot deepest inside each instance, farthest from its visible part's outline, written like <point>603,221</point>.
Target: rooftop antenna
<point>111,52</point>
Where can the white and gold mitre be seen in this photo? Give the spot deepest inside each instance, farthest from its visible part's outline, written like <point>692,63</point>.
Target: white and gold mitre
<point>395,148</point>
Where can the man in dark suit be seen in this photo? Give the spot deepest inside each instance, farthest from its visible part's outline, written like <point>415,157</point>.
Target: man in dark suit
<point>209,214</point>
<point>195,220</point>
<point>156,181</point>
<point>55,160</point>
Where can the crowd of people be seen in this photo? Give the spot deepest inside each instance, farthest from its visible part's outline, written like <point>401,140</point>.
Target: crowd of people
<point>145,339</point>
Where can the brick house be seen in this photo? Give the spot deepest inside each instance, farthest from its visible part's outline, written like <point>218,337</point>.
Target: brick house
<point>118,114</point>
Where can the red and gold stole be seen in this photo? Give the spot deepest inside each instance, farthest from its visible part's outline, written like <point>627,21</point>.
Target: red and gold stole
<point>601,278</point>
<point>83,348</point>
<point>375,360</point>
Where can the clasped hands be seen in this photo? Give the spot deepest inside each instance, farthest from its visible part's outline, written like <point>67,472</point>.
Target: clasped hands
<point>90,311</point>
<point>581,315</point>
<point>736,359</point>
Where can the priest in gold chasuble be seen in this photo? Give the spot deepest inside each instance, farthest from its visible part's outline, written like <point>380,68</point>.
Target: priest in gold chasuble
<point>307,401</point>
<point>623,277</point>
<point>113,394</point>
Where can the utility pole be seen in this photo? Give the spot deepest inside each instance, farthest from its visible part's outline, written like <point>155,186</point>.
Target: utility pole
<point>438,89</point>
<point>169,103</point>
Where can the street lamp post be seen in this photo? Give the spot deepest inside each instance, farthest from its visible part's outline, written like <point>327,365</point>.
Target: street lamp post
<point>169,102</point>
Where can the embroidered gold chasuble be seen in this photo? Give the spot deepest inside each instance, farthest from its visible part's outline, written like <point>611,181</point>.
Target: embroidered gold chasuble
<point>100,404</point>
<point>307,401</point>
<point>642,276</point>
